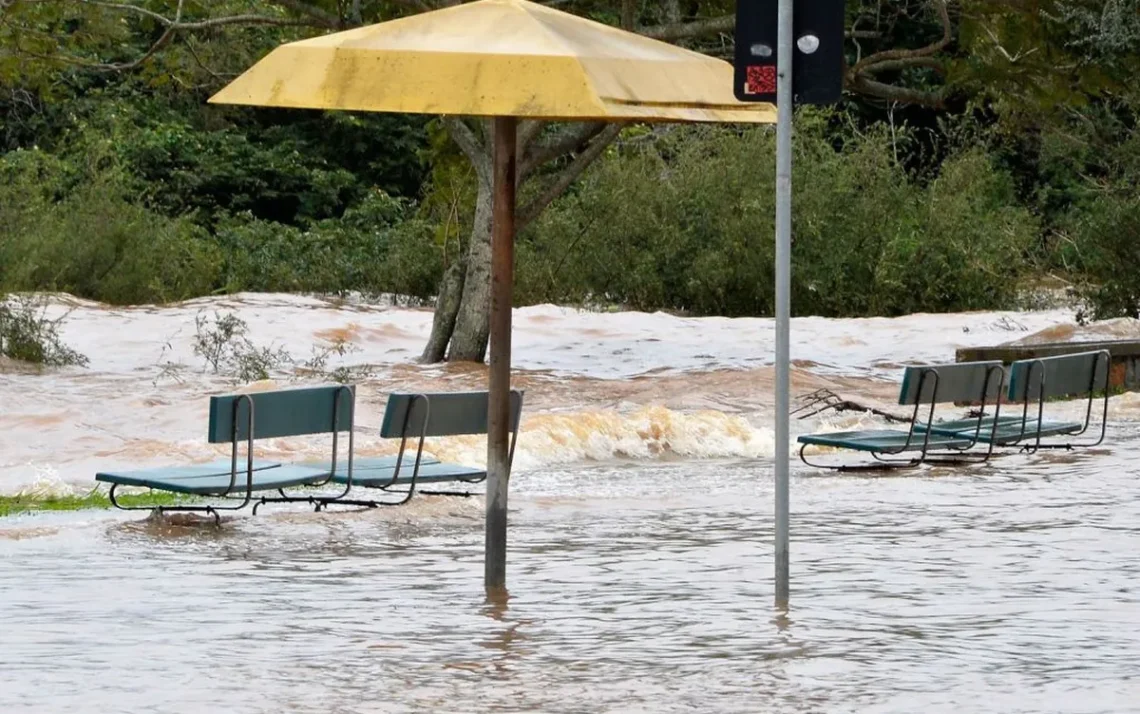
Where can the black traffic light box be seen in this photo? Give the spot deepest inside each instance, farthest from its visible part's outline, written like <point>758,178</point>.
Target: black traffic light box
<point>817,73</point>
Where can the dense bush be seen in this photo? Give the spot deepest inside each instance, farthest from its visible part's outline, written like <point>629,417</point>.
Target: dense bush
<point>88,236</point>
<point>378,246</point>
<point>680,221</point>
<point>1094,192</point>
<point>687,224</point>
<point>1107,238</point>
<point>970,243</point>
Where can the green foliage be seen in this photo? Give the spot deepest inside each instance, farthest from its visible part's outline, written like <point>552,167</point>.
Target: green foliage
<point>687,225</point>
<point>124,186</point>
<point>27,334</point>
<point>1106,237</point>
<point>192,171</point>
<point>93,240</point>
<point>223,342</point>
<point>132,254</point>
<point>377,247</point>
<point>971,243</point>
<point>31,503</point>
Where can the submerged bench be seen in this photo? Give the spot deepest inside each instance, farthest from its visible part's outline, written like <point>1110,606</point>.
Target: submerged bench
<point>238,419</point>
<point>1033,382</point>
<point>416,417</point>
<point>924,388</point>
<point>245,418</point>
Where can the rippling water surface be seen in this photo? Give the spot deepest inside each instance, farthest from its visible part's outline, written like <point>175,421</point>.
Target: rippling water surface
<point>640,557</point>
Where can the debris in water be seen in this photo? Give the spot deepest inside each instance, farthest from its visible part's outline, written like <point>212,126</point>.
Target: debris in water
<point>823,399</point>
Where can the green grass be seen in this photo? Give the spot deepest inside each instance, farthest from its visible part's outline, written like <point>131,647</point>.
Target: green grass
<point>11,505</point>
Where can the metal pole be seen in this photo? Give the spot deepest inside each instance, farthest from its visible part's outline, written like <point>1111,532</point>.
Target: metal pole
<point>498,408</point>
<point>783,285</point>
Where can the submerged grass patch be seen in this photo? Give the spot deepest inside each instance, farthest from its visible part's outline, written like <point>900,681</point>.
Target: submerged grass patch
<point>23,503</point>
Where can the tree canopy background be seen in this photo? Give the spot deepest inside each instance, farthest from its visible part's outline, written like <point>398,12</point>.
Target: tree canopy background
<point>981,145</point>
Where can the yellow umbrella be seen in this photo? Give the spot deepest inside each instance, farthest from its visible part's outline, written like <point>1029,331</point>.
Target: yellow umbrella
<point>503,59</point>
<point>496,58</point>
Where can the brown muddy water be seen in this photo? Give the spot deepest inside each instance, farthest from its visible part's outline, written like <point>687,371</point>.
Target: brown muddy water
<point>640,554</point>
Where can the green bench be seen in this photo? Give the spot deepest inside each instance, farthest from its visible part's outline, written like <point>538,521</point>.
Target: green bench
<point>1033,382</point>
<point>923,388</point>
<point>238,419</point>
<point>414,417</point>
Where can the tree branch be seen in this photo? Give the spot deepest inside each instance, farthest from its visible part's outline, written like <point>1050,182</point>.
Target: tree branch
<point>879,90</point>
<point>859,80</point>
<point>470,144</point>
<point>564,142</point>
<point>132,8</point>
<point>567,177</point>
<point>176,24</point>
<point>322,17</point>
<point>901,64</point>
<point>529,129</point>
<point>172,26</point>
<point>628,14</point>
<point>901,54</point>
<point>673,31</point>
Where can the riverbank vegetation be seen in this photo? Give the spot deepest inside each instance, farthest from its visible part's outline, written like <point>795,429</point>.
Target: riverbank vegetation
<point>33,503</point>
<point>980,145</point>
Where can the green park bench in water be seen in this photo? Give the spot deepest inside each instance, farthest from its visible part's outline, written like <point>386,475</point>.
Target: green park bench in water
<point>417,417</point>
<point>1032,383</point>
<point>924,387</point>
<point>245,418</point>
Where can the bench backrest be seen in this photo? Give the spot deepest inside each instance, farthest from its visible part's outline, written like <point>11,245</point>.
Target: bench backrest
<point>956,382</point>
<point>1065,375</point>
<point>283,412</point>
<point>448,414</point>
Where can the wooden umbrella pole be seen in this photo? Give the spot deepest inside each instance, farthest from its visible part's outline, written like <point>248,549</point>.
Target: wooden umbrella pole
<point>498,417</point>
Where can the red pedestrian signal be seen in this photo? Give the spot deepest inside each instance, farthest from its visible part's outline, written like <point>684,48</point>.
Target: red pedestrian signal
<point>817,55</point>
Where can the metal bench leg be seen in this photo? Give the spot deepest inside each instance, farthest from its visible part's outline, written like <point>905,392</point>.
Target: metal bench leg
<point>159,510</point>
<point>881,465</point>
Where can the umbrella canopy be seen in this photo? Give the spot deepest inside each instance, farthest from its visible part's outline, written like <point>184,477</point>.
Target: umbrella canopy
<point>497,58</point>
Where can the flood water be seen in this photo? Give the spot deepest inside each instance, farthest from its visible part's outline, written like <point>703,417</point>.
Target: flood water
<point>640,563</point>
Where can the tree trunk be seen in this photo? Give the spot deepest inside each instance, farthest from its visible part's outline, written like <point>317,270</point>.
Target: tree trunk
<point>446,308</point>
<point>472,324</point>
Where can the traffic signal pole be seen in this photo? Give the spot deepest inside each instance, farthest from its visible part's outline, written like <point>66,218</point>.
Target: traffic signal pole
<point>768,33</point>
<point>783,290</point>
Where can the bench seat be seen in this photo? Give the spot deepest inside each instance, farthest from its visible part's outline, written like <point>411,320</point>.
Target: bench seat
<point>210,482</point>
<point>1009,429</point>
<point>884,441</point>
<point>429,473</point>
<point>219,467</point>
<point>370,463</point>
<point>377,472</point>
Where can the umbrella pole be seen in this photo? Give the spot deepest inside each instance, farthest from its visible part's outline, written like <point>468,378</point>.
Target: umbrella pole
<point>498,416</point>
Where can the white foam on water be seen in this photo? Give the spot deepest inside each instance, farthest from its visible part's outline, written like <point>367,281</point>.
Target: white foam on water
<point>601,435</point>
<point>46,482</point>
<point>128,410</point>
<point>566,341</point>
